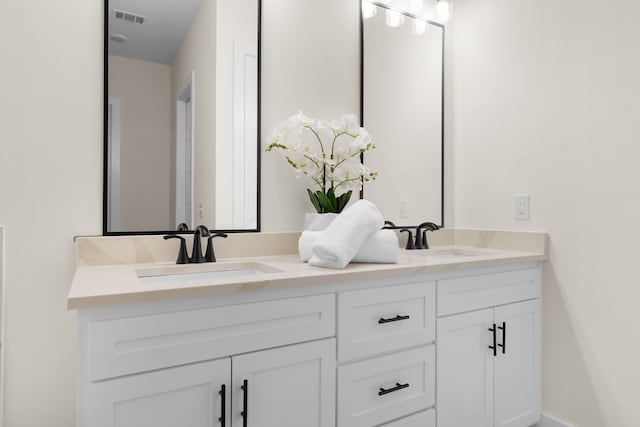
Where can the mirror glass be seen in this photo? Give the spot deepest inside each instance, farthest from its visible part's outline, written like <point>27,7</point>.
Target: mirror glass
<point>181,115</point>
<point>403,111</point>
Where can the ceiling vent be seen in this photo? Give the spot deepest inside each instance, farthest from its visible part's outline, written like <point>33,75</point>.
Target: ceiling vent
<point>122,15</point>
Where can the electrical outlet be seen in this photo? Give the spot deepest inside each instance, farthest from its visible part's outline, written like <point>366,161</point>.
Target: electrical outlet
<point>521,207</point>
<point>201,210</point>
<point>404,209</point>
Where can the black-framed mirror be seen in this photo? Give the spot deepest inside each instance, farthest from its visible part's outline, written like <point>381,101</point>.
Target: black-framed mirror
<point>402,67</point>
<point>181,115</point>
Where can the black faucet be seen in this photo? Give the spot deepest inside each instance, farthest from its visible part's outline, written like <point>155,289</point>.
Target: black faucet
<point>420,241</point>
<point>421,236</point>
<point>410,244</point>
<point>196,252</point>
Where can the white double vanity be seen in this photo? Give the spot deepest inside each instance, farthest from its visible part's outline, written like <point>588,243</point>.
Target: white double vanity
<point>447,337</point>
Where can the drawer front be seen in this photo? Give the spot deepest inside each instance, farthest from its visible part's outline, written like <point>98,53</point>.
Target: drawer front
<point>380,390</point>
<point>382,320</point>
<point>136,344</point>
<point>423,419</point>
<point>477,292</point>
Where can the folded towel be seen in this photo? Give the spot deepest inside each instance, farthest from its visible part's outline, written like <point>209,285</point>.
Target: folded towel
<point>345,235</point>
<point>380,247</point>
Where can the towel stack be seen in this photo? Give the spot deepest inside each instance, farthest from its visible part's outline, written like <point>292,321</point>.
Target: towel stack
<point>355,235</point>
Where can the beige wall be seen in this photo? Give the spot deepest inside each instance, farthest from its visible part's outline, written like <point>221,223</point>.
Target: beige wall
<point>198,54</point>
<point>545,100</point>
<point>50,190</point>
<point>143,89</point>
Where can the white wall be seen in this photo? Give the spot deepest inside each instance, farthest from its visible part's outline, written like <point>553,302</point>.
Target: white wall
<point>143,89</point>
<point>545,99</point>
<point>50,190</point>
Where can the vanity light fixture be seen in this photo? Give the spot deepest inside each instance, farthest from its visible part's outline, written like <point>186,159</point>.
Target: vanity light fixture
<point>419,27</point>
<point>444,10</point>
<point>415,6</point>
<point>394,18</point>
<point>369,9</point>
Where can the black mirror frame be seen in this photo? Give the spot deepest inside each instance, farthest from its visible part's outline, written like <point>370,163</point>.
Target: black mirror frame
<point>105,187</point>
<point>442,123</point>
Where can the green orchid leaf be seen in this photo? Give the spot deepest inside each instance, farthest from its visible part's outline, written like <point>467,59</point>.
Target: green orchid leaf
<point>331,195</point>
<point>326,203</point>
<point>314,201</point>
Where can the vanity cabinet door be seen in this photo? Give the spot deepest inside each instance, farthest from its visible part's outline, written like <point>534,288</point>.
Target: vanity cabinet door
<point>184,396</point>
<point>465,370</point>
<point>290,386</point>
<point>517,369</point>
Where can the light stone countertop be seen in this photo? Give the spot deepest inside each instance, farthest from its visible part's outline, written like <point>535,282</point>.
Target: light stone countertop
<point>106,285</point>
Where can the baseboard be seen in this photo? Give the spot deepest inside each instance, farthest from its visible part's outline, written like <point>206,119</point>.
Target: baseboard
<point>547,421</point>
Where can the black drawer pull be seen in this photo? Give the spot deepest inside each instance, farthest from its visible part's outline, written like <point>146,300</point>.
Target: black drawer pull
<point>245,395</point>
<point>223,406</point>
<point>504,337</point>
<point>398,386</point>
<point>494,347</point>
<point>393,319</point>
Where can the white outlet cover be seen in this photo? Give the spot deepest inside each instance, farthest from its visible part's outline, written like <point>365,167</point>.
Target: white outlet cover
<point>521,207</point>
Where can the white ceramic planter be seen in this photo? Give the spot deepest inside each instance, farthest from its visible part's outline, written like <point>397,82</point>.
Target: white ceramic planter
<point>318,222</point>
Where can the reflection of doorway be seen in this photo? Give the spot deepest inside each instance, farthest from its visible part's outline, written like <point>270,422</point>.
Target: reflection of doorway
<point>245,136</point>
<point>184,154</point>
<point>113,186</point>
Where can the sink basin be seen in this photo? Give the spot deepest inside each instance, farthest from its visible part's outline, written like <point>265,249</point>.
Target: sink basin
<point>201,273</point>
<point>445,254</point>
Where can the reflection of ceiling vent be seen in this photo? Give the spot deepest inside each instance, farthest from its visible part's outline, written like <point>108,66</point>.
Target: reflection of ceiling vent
<point>128,16</point>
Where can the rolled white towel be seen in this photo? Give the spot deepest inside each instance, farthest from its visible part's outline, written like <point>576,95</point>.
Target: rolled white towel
<point>380,247</point>
<point>346,234</point>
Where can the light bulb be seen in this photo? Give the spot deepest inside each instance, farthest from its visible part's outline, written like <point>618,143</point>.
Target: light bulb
<point>443,9</point>
<point>369,9</point>
<point>419,27</point>
<point>415,6</point>
<point>394,18</point>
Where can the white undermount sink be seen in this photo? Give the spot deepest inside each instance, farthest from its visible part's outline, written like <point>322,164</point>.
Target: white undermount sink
<point>445,254</point>
<point>196,273</point>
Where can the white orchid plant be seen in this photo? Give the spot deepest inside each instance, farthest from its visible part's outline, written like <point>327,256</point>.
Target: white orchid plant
<point>327,152</point>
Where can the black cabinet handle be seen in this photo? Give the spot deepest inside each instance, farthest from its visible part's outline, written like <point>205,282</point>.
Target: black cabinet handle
<point>245,404</point>
<point>223,406</point>
<point>494,347</point>
<point>504,337</point>
<point>393,319</point>
<point>398,386</point>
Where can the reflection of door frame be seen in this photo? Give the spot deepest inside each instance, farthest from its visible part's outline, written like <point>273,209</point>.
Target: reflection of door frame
<point>187,95</point>
<point>241,163</point>
<point>113,189</point>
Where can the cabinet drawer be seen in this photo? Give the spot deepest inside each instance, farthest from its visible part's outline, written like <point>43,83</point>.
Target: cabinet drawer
<point>488,290</point>
<point>147,342</point>
<point>375,321</point>
<point>379,390</point>
<point>423,419</point>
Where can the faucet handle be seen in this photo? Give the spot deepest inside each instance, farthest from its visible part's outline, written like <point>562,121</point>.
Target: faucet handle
<point>183,257</point>
<point>210,255</point>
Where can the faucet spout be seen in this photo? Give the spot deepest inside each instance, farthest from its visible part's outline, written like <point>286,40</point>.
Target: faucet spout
<point>196,252</point>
